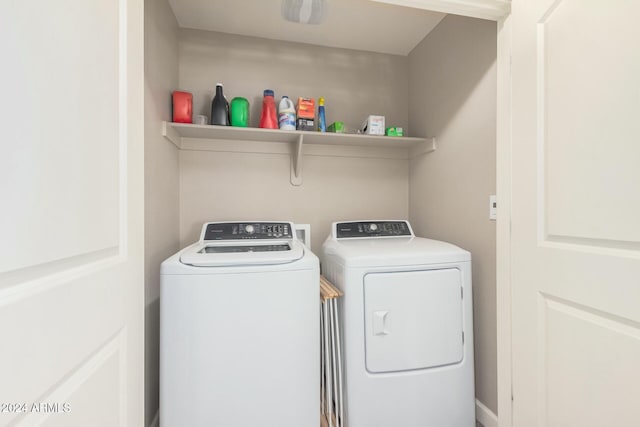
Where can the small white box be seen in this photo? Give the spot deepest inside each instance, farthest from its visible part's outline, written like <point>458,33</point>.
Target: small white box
<point>373,125</point>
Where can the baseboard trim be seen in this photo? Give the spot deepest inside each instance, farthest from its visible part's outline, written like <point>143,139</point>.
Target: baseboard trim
<point>485,416</point>
<point>155,422</point>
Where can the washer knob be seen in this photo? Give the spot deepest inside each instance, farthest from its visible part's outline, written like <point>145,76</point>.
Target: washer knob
<point>373,227</point>
<point>249,229</point>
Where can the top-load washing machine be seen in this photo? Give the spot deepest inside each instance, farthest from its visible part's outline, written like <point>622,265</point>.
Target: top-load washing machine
<point>239,324</point>
<point>407,322</point>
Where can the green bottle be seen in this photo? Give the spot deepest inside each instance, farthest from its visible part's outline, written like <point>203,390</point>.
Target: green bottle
<point>239,112</point>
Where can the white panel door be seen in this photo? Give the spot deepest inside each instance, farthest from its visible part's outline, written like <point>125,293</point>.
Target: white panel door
<point>71,233</point>
<point>576,213</point>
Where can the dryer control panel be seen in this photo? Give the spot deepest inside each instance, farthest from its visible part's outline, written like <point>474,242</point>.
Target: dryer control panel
<point>247,230</point>
<point>372,229</point>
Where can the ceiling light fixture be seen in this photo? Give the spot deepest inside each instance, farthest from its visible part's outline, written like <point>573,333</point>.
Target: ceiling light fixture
<point>304,11</point>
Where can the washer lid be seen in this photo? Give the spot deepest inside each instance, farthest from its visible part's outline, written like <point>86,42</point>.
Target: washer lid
<point>244,243</point>
<point>224,253</point>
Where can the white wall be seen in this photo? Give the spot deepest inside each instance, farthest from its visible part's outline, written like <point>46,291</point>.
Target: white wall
<point>226,186</point>
<point>161,177</point>
<point>452,76</point>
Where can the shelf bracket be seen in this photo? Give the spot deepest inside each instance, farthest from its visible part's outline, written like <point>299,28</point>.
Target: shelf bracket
<point>428,146</point>
<point>171,134</point>
<point>296,161</point>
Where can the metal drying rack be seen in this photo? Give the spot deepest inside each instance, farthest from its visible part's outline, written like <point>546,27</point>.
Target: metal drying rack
<point>331,393</point>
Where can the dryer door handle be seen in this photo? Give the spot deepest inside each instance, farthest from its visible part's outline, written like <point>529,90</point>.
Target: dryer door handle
<point>380,323</point>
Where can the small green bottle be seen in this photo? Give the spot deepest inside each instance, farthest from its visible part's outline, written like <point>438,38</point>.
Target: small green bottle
<point>239,112</point>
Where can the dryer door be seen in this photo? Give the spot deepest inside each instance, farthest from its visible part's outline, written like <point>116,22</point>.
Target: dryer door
<point>413,320</point>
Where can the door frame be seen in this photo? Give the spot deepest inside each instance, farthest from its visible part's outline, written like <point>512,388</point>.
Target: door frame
<point>503,223</point>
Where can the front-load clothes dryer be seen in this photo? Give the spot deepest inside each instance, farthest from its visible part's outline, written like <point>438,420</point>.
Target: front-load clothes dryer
<point>239,324</point>
<point>407,322</point>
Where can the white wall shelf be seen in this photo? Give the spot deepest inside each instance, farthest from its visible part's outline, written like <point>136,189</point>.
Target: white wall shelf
<point>274,141</point>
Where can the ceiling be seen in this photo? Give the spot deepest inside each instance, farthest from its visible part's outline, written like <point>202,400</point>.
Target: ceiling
<point>351,24</point>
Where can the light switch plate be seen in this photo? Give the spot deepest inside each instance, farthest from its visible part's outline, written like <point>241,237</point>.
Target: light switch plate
<point>493,207</point>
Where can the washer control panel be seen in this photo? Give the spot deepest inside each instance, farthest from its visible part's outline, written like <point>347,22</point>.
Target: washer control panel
<point>247,230</point>
<point>372,229</point>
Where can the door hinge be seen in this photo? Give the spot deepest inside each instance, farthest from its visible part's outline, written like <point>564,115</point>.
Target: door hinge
<point>462,337</point>
<point>461,293</point>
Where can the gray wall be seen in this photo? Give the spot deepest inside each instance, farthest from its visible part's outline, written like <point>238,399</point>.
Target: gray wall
<point>161,177</point>
<point>232,186</point>
<point>452,76</point>
<point>353,83</point>
<point>225,186</point>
